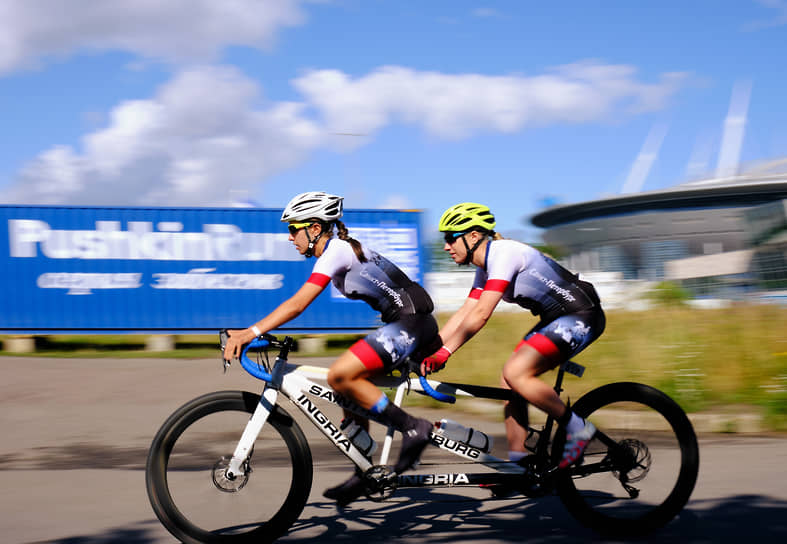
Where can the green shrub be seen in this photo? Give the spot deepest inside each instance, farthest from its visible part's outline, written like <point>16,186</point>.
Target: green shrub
<point>668,293</point>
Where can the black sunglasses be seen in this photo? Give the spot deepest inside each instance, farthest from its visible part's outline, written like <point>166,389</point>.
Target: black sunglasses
<point>451,237</point>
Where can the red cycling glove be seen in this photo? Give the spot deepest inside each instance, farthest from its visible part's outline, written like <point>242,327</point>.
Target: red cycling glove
<point>436,361</point>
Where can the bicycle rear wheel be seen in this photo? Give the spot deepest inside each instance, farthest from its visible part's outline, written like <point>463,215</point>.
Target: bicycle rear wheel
<point>644,475</point>
<point>187,485</point>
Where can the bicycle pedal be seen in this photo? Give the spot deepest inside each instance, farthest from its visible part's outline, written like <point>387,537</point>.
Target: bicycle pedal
<point>380,482</point>
<point>380,474</point>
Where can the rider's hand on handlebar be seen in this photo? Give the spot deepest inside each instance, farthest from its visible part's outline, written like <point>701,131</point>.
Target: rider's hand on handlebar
<point>436,361</point>
<point>235,342</point>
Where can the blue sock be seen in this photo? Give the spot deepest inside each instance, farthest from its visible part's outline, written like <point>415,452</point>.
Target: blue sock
<point>516,455</point>
<point>380,406</point>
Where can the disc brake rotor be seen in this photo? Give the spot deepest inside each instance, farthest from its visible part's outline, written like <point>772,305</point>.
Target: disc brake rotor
<point>223,482</point>
<point>636,461</point>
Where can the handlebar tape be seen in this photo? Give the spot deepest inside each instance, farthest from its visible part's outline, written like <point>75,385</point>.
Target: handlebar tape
<point>442,397</point>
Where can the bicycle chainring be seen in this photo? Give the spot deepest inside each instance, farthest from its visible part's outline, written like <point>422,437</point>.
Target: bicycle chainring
<point>223,482</point>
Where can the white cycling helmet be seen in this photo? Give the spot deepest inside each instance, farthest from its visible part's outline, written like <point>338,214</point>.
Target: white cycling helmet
<point>313,205</point>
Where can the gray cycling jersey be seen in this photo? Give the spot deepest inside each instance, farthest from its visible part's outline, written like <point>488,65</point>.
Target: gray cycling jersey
<point>378,281</point>
<point>532,280</point>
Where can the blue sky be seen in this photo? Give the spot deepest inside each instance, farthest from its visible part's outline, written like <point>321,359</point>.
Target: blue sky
<point>411,104</point>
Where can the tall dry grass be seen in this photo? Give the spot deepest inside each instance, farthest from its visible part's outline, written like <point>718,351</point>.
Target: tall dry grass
<point>723,358</point>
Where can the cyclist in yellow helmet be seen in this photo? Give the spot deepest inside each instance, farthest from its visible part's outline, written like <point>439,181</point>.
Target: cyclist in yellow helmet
<point>569,310</point>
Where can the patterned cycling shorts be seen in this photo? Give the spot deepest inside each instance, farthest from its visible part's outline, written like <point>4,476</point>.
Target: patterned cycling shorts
<point>561,339</point>
<point>411,335</point>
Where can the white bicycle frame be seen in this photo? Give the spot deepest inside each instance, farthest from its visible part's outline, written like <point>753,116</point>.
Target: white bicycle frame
<point>297,382</point>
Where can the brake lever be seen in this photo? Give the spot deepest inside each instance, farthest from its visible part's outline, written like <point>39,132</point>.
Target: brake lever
<point>223,336</point>
<point>413,367</point>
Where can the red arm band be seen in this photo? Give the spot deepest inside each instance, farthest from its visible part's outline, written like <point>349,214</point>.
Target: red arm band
<point>319,279</point>
<point>496,285</point>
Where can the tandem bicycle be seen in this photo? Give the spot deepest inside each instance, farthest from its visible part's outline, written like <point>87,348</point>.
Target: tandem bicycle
<point>235,466</point>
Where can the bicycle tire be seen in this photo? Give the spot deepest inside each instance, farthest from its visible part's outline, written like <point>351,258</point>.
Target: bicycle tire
<point>598,510</point>
<point>161,466</point>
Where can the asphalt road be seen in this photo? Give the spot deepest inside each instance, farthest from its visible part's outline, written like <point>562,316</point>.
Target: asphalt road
<point>75,434</point>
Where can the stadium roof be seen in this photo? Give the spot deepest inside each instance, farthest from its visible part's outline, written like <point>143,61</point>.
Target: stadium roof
<point>759,185</point>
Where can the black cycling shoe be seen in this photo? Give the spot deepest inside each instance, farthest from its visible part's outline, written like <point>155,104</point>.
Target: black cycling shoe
<point>414,441</point>
<point>346,492</point>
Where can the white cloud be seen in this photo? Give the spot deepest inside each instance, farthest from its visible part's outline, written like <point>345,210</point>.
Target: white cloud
<point>174,30</point>
<point>777,17</point>
<point>194,143</point>
<point>485,12</point>
<point>457,106</point>
<point>204,137</point>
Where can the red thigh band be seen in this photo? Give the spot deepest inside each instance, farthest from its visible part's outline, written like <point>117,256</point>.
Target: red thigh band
<point>367,355</point>
<point>544,346</point>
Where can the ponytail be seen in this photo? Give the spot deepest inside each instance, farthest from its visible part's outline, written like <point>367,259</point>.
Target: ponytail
<point>342,234</point>
<point>491,234</point>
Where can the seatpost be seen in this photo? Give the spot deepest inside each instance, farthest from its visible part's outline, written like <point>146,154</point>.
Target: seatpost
<point>559,380</point>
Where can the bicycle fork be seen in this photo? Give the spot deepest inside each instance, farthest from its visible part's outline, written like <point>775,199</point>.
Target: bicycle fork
<point>237,465</point>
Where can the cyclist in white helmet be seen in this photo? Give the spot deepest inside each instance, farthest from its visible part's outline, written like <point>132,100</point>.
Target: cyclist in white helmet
<point>358,273</point>
<point>569,310</point>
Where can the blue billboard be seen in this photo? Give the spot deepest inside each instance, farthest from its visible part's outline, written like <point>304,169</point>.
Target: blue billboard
<point>75,269</point>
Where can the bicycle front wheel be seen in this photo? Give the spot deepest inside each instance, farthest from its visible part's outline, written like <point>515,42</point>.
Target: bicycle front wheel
<point>186,479</point>
<point>640,468</point>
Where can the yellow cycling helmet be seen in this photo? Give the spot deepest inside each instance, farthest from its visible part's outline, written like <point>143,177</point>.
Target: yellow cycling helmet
<point>467,216</point>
